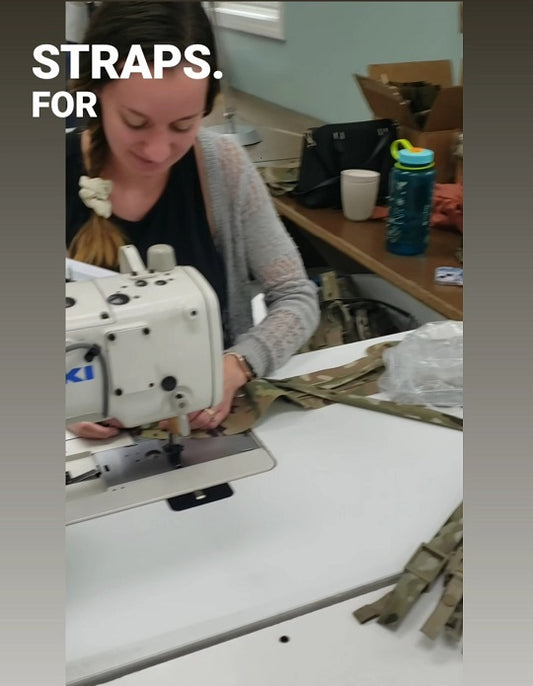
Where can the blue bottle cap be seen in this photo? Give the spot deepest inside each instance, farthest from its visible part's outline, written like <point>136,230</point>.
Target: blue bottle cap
<point>416,157</point>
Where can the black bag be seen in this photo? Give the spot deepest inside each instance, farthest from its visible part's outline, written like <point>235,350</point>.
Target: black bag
<point>329,149</point>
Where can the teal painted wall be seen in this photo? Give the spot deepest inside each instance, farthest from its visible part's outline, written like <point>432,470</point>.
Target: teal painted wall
<point>326,42</point>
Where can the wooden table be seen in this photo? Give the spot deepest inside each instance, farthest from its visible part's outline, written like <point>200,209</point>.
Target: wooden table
<point>364,242</point>
<point>281,130</point>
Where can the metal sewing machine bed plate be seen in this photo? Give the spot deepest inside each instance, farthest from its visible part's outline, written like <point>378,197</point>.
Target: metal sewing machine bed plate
<point>145,472</point>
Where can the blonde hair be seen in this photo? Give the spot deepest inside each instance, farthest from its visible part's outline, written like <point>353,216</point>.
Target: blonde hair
<point>98,241</point>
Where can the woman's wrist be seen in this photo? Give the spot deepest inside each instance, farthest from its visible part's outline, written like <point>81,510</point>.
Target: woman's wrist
<point>242,364</point>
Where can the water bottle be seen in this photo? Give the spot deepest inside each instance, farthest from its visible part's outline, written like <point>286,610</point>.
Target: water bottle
<point>412,180</point>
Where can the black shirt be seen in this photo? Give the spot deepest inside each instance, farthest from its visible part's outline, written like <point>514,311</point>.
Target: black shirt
<point>178,218</point>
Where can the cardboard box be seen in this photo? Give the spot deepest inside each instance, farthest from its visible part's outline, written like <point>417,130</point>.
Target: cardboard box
<point>444,121</point>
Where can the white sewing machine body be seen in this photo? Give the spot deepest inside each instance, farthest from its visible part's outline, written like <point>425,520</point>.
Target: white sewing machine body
<point>142,346</point>
<point>160,339</point>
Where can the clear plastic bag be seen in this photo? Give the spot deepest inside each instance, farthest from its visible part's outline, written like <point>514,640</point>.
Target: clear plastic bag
<point>426,367</point>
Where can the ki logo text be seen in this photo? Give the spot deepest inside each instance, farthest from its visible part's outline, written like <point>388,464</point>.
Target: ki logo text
<point>80,374</point>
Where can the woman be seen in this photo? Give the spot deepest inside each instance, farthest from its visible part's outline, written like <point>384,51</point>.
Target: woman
<point>174,182</point>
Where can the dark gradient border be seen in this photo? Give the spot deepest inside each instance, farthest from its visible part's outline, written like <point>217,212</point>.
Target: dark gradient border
<point>32,325</point>
<point>498,453</point>
<point>498,334</point>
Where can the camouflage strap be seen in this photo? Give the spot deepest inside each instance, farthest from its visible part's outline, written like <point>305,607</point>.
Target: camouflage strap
<point>350,384</point>
<point>454,626</point>
<point>347,316</point>
<point>419,574</point>
<point>450,602</point>
<point>367,612</point>
<point>336,325</point>
<point>330,286</point>
<point>280,178</point>
<point>419,413</point>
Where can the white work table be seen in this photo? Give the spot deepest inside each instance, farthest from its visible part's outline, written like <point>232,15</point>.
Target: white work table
<point>327,647</point>
<point>353,494</point>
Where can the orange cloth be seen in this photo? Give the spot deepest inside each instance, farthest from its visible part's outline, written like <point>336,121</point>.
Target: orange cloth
<point>380,212</point>
<point>447,207</point>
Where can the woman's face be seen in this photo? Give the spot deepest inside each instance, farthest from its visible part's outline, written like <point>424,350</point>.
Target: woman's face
<point>150,124</point>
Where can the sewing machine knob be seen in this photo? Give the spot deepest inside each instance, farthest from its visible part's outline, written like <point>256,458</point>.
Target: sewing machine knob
<point>118,299</point>
<point>169,383</point>
<point>161,258</point>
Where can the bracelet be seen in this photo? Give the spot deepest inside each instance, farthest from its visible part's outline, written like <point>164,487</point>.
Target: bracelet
<point>244,365</point>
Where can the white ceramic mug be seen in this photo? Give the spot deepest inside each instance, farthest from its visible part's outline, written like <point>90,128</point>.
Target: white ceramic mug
<point>359,192</point>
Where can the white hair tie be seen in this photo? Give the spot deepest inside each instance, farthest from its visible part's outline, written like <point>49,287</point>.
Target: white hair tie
<point>95,193</point>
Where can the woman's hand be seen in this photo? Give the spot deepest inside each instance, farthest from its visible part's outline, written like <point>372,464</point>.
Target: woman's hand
<point>108,429</point>
<point>210,418</point>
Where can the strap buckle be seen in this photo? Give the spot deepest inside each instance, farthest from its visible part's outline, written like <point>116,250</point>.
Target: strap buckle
<point>418,564</point>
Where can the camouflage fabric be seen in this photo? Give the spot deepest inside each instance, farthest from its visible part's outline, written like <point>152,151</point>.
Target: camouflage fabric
<point>454,626</point>
<point>352,397</point>
<point>347,317</point>
<point>448,615</point>
<point>280,178</point>
<point>336,325</point>
<point>350,384</point>
<point>442,553</point>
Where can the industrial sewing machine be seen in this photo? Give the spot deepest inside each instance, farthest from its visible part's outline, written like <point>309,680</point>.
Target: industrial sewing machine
<point>142,346</point>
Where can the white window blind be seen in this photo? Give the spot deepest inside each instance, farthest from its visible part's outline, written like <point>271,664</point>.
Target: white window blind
<point>260,18</point>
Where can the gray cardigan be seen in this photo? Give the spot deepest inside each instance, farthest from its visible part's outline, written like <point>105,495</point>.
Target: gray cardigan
<point>254,243</point>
